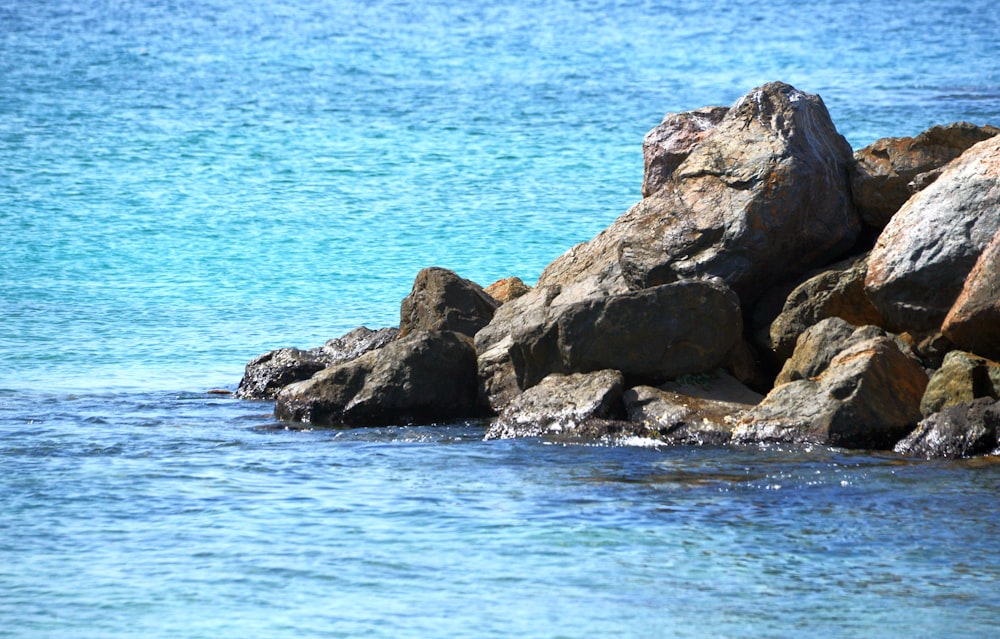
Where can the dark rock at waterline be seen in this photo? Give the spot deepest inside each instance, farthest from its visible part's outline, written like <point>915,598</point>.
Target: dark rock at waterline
<point>867,397</point>
<point>442,301</point>
<point>561,404</point>
<point>763,197</point>
<point>962,378</point>
<point>973,322</point>
<point>267,374</point>
<point>421,378</point>
<point>887,172</point>
<point>961,430</point>
<point>923,257</point>
<point>671,142</point>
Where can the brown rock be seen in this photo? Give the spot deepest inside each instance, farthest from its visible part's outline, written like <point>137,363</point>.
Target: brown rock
<point>962,430</point>
<point>962,378</point>
<point>669,143</point>
<point>443,301</point>
<point>973,323</point>
<point>924,255</point>
<point>887,172</point>
<point>822,342</point>
<point>507,289</point>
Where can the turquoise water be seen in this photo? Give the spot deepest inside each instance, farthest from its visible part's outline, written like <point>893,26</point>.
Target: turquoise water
<point>187,185</point>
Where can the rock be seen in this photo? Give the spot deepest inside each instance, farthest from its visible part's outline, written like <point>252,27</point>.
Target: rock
<point>962,378</point>
<point>269,373</point>
<point>868,397</point>
<point>764,197</point>
<point>922,258</point>
<point>962,430</point>
<point>507,289</point>
<point>443,301</point>
<point>693,411</point>
<point>424,377</point>
<point>887,172</point>
<point>820,343</point>
<point>973,322</point>
<point>669,143</point>
<point>836,292</point>
<point>559,404</point>
<point>650,335</point>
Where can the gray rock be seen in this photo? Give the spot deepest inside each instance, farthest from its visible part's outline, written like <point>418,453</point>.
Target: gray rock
<point>443,301</point>
<point>924,255</point>
<point>424,377</point>
<point>962,430</point>
<point>820,343</point>
<point>560,404</point>
<point>671,142</point>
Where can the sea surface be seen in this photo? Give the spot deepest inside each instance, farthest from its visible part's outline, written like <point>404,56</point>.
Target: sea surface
<point>187,184</point>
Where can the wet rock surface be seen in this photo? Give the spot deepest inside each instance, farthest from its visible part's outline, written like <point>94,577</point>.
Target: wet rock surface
<point>960,430</point>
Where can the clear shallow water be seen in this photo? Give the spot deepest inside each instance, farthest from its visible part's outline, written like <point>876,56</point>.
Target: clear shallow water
<point>184,186</point>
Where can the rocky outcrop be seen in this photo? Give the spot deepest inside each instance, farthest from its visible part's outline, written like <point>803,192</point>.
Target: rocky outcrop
<point>868,397</point>
<point>922,258</point>
<point>835,292</point>
<point>269,373</point>
<point>669,143</point>
<point>973,322</point>
<point>421,378</point>
<point>887,172</point>
<point>821,343</point>
<point>762,198</point>
<point>560,404</point>
<point>962,378</point>
<point>443,301</point>
<point>649,335</point>
<point>962,430</point>
<point>507,289</point>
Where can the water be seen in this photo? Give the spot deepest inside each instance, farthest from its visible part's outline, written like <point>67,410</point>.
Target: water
<point>186,185</point>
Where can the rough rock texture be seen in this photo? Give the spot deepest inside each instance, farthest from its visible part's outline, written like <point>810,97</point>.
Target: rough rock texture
<point>922,258</point>
<point>882,172</point>
<point>669,143</point>
<point>868,397</point>
<point>973,323</point>
<point>962,430</point>
<point>962,378</point>
<point>701,410</point>
<point>836,292</point>
<point>820,343</point>
<point>269,373</point>
<point>421,378</point>
<point>764,197</point>
<point>443,301</point>
<point>507,289</point>
<point>653,334</point>
<point>559,404</point>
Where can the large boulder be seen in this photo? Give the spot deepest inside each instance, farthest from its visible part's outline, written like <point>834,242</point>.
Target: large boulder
<point>922,258</point>
<point>962,378</point>
<point>962,430</point>
<point>648,335</point>
<point>821,343</point>
<point>835,292</point>
<point>269,373</point>
<point>670,142</point>
<point>424,377</point>
<point>764,197</point>
<point>443,301</point>
<point>560,404</point>
<point>973,323</point>
<point>882,172</point>
<point>868,397</point>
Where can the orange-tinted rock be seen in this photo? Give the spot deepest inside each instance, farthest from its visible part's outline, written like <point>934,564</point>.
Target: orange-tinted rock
<point>973,323</point>
<point>507,289</point>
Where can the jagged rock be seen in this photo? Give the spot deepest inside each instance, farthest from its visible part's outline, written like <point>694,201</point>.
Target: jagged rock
<point>763,198</point>
<point>887,172</point>
<point>820,343</point>
<point>961,430</point>
<point>443,301</point>
<point>669,143</point>
<point>973,323</point>
<point>836,292</point>
<point>692,411</point>
<point>868,397</point>
<point>653,334</point>
<point>507,289</point>
<point>560,404</point>
<point>269,373</point>
<point>922,258</point>
<point>962,378</point>
<point>421,378</point>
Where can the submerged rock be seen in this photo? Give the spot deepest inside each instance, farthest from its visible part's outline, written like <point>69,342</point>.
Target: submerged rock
<point>443,301</point>
<point>961,430</point>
